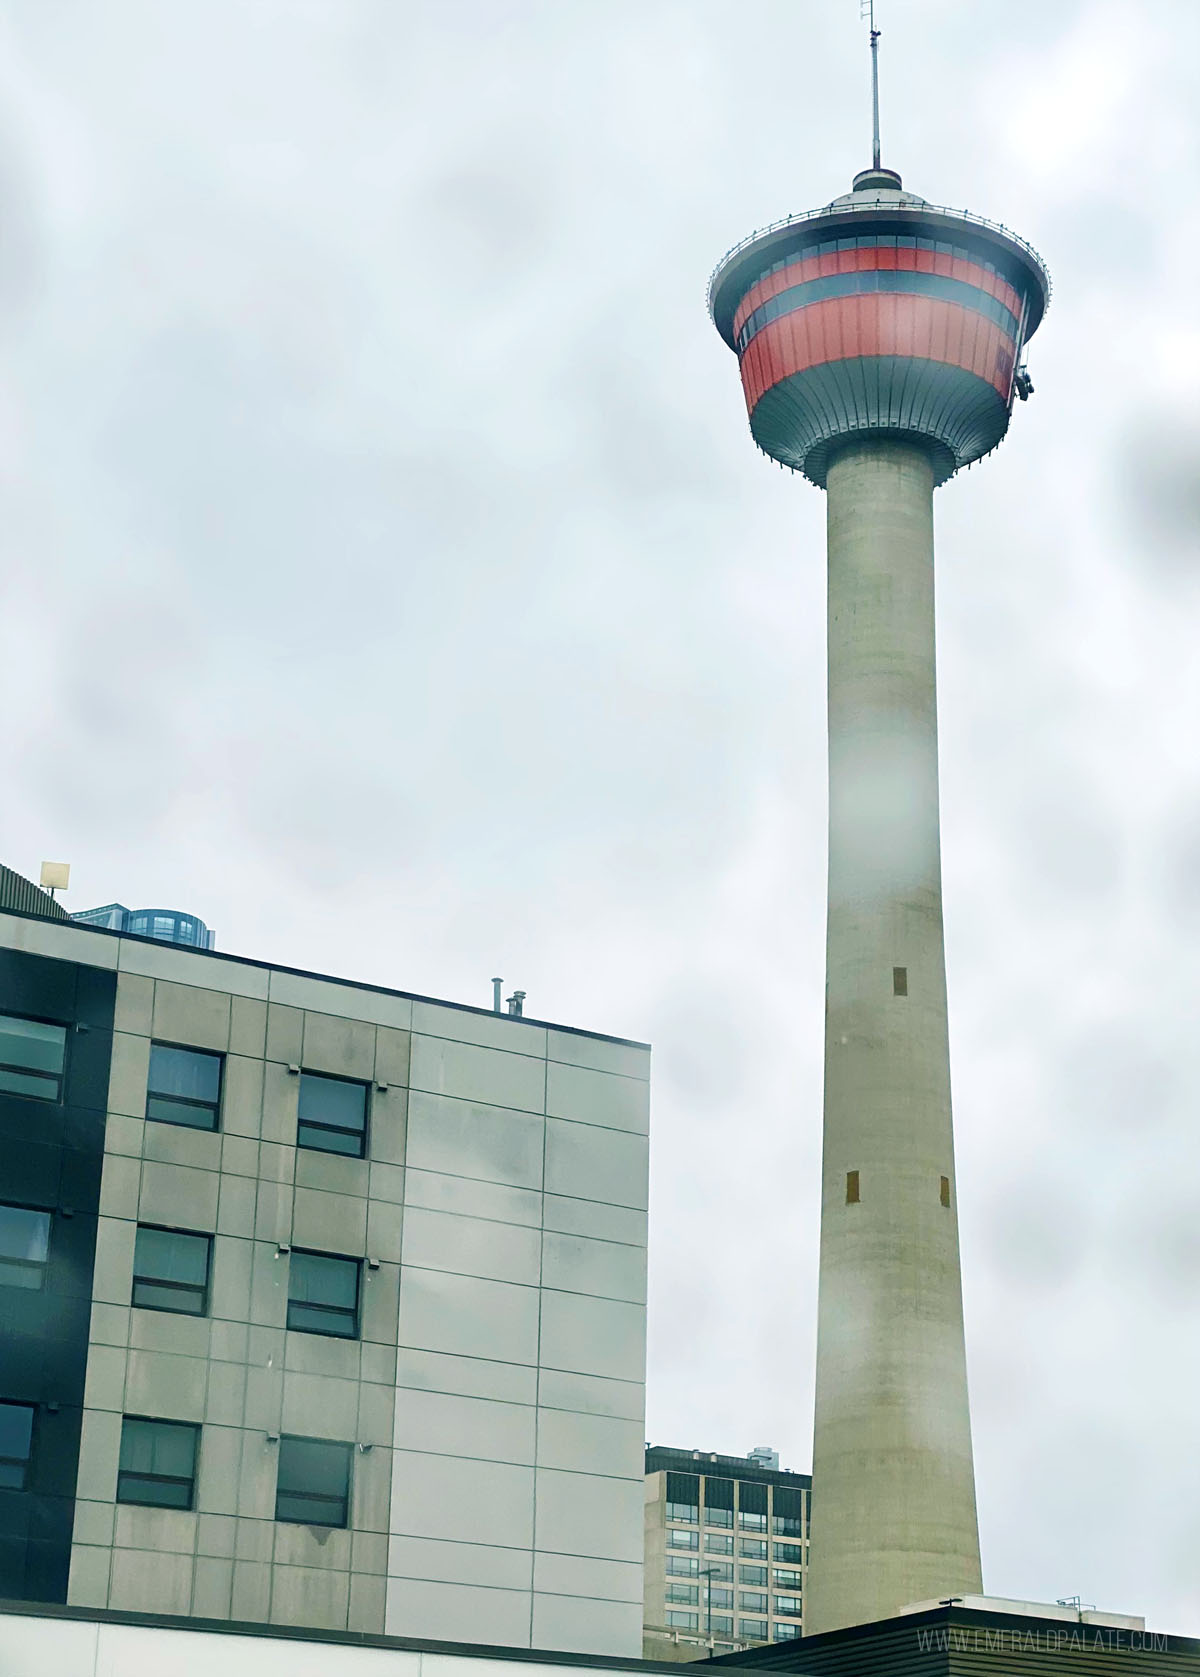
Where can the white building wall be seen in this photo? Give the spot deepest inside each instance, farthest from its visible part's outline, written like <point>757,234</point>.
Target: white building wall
<point>36,1646</point>
<point>520,1400</point>
<point>498,1388</point>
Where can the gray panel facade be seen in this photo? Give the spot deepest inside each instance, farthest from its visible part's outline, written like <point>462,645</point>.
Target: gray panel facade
<point>492,1388</point>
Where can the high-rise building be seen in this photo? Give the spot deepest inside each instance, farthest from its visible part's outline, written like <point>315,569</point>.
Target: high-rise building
<point>323,1304</point>
<point>880,342</point>
<point>726,1552</point>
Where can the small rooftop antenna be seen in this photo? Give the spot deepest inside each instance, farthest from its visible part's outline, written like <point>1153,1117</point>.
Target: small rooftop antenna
<point>56,876</point>
<point>866,9</point>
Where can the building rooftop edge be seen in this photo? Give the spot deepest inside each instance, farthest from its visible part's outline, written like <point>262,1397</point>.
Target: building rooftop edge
<point>188,952</point>
<point>678,1460</point>
<point>335,1638</point>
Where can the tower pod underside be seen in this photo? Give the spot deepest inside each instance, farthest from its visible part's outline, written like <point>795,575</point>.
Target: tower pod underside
<point>880,316</point>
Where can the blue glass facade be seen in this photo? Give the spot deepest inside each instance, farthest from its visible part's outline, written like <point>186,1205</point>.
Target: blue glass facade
<point>166,923</point>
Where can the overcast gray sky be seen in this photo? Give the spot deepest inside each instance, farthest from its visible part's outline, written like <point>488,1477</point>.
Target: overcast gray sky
<point>389,577</point>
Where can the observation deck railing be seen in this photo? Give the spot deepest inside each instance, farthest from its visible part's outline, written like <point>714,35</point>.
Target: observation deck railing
<point>911,210</point>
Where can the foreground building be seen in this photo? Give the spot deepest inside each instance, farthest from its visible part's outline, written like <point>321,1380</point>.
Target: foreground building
<point>880,342</point>
<point>726,1552</point>
<point>324,1304</point>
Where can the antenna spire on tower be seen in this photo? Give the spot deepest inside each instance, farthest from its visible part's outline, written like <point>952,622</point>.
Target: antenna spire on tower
<point>867,10</point>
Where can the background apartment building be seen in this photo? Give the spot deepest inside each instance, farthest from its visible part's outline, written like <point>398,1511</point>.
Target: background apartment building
<point>323,1304</point>
<point>726,1552</point>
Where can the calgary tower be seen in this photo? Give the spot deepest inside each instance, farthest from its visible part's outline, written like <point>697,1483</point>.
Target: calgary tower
<point>880,342</point>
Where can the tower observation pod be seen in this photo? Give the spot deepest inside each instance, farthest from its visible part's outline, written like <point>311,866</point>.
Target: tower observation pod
<point>880,342</point>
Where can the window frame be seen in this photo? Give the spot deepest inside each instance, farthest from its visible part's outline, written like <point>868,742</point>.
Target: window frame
<point>24,1463</point>
<point>315,1496</point>
<point>173,1286</point>
<point>27,1265</point>
<point>126,1473</point>
<point>303,1123</point>
<point>332,1310</point>
<point>186,1102</point>
<point>58,1078</point>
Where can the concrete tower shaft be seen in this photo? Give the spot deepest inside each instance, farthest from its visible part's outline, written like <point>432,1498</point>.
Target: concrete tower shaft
<point>894,1490</point>
<point>880,342</point>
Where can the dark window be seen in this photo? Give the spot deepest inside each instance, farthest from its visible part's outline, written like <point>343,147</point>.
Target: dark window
<point>718,1545</point>
<point>170,1270</point>
<point>16,1444</point>
<point>31,1057</point>
<point>24,1245</point>
<point>683,1497</point>
<point>682,1566</point>
<point>899,981</point>
<point>720,1597</point>
<point>718,1502</point>
<point>323,1294</point>
<point>785,1580</point>
<point>752,1506</point>
<point>846,244</point>
<point>905,241</point>
<point>684,1540</point>
<point>886,241</point>
<point>786,1633</point>
<point>682,1621</point>
<point>752,1630</point>
<point>720,1624</point>
<point>945,1190</point>
<point>687,1594</point>
<point>752,1575</point>
<point>851,1187</point>
<point>157,1466</point>
<point>184,1086</point>
<point>788,1604</point>
<point>313,1486</point>
<point>754,1548</point>
<point>924,244</point>
<point>333,1115</point>
<point>790,1552</point>
<point>752,1601</point>
<point>719,1572</point>
<point>788,1516</point>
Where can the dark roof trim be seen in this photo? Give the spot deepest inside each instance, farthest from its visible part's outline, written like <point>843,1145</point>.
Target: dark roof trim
<point>334,1638</point>
<point>332,978</point>
<point>819,1652</point>
<point>664,1459</point>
